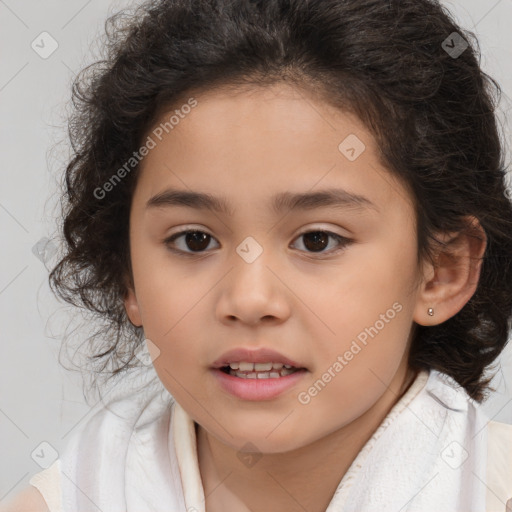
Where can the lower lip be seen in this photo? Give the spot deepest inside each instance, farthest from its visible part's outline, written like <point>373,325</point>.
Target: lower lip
<point>257,389</point>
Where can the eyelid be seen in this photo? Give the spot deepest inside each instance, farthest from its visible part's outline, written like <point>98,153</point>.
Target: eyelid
<point>326,229</point>
<point>190,227</point>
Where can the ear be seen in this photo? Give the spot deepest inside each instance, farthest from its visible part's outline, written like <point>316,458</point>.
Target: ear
<point>132,306</point>
<point>452,279</point>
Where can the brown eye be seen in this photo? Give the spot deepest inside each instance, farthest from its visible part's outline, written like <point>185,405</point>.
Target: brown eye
<point>194,241</point>
<point>197,241</point>
<point>317,241</point>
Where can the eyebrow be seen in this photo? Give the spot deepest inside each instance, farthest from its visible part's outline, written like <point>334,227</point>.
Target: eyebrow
<point>279,203</point>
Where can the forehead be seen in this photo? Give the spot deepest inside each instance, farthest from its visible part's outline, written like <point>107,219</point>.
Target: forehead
<point>291,115</point>
<point>252,140</point>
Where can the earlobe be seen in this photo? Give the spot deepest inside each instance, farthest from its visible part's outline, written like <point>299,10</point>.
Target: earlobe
<point>453,278</point>
<point>132,308</point>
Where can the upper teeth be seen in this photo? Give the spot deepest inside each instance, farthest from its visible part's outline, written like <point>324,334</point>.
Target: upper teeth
<point>259,367</point>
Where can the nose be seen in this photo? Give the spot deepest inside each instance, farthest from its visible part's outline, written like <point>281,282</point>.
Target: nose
<point>252,293</point>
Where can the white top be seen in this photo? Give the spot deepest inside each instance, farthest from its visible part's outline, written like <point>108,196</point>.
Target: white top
<point>435,450</point>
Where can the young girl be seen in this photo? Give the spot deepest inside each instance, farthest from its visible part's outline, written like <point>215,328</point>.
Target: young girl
<point>299,211</point>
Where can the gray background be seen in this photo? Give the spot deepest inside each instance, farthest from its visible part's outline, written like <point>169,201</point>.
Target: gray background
<point>39,400</point>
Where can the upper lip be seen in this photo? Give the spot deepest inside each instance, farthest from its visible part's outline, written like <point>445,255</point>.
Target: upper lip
<point>261,355</point>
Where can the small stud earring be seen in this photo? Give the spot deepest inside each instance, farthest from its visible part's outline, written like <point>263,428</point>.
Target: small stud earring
<point>430,312</point>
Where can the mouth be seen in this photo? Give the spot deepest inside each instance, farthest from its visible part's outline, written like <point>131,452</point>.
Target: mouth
<point>257,381</point>
<point>270,370</point>
<point>257,374</point>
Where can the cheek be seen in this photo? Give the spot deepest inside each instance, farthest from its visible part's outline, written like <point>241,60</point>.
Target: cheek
<point>356,367</point>
<point>353,295</point>
<point>171,303</point>
<point>165,289</point>
<point>366,308</point>
<point>179,362</point>
<point>174,319</point>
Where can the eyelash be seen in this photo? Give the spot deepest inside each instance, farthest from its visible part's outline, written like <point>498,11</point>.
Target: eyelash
<point>342,241</point>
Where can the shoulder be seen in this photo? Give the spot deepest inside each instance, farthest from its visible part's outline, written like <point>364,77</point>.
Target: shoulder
<point>500,449</point>
<point>28,500</point>
<point>499,465</point>
<point>501,432</point>
<point>42,495</point>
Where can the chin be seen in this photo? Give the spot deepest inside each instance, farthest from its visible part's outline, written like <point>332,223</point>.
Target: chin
<point>264,439</point>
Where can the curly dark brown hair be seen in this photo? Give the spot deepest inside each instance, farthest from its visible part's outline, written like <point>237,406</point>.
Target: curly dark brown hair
<point>392,63</point>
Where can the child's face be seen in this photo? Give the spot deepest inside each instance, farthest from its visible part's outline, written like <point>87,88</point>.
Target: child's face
<point>344,316</point>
